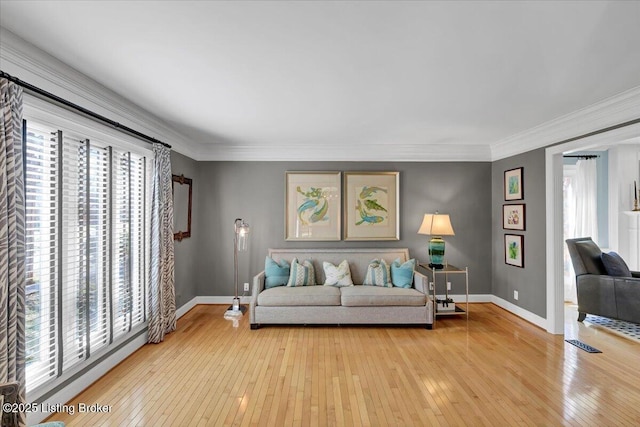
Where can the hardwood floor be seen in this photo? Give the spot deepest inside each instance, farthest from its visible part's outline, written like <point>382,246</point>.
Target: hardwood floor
<point>494,369</point>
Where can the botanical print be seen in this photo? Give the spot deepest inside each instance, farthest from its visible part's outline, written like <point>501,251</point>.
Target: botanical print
<point>371,205</point>
<point>313,205</point>
<point>514,251</point>
<point>514,185</point>
<point>513,217</point>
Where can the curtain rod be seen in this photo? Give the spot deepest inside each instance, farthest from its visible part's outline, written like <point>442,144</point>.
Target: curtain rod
<point>583,156</point>
<point>81,109</point>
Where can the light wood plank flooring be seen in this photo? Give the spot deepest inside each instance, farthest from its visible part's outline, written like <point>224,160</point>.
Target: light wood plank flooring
<point>494,369</point>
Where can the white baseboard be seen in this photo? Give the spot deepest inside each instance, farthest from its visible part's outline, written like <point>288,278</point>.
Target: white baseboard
<point>208,300</point>
<point>520,312</point>
<point>460,299</point>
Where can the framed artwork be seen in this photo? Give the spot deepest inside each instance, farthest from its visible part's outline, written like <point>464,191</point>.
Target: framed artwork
<point>513,184</point>
<point>513,217</point>
<point>312,207</point>
<point>514,250</point>
<point>371,205</point>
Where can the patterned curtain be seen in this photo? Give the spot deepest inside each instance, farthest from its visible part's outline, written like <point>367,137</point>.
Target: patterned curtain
<point>12,241</point>
<point>162,292</point>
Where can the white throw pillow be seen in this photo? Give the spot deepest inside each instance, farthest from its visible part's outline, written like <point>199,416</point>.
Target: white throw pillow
<point>337,276</point>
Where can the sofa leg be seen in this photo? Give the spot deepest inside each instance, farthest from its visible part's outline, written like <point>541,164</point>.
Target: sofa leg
<point>255,326</point>
<point>581,316</point>
<point>429,326</point>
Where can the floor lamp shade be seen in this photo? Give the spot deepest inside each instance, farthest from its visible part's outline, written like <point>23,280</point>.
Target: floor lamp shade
<point>242,236</point>
<point>436,225</point>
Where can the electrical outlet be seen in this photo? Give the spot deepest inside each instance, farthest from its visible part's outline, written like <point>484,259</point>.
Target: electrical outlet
<point>430,286</point>
<point>515,295</point>
<point>246,287</point>
<point>448,286</point>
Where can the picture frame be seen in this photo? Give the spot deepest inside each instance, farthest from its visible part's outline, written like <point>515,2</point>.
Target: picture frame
<point>513,217</point>
<point>371,206</point>
<point>181,188</point>
<point>514,250</point>
<point>313,205</point>
<point>514,184</point>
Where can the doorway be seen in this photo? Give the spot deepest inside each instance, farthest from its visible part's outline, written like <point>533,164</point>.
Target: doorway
<point>554,216</point>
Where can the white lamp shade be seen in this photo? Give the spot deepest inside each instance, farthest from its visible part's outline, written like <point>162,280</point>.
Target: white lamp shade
<point>436,225</point>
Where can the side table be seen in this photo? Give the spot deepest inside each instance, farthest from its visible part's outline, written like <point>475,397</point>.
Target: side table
<point>446,270</point>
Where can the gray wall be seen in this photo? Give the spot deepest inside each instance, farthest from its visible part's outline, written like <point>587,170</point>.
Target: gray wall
<point>186,256</point>
<point>254,191</point>
<point>530,281</point>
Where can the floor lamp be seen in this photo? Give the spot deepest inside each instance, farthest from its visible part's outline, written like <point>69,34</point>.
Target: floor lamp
<point>240,243</point>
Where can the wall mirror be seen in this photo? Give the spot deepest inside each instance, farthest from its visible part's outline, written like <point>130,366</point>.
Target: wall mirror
<point>181,207</point>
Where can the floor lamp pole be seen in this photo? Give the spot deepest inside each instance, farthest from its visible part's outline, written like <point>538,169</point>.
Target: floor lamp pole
<point>240,235</point>
<point>236,300</point>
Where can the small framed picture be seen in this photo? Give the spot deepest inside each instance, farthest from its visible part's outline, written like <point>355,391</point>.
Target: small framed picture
<point>513,184</point>
<point>513,217</point>
<point>514,250</point>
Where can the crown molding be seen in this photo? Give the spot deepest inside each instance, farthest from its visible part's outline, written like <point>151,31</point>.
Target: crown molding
<point>612,111</point>
<point>361,152</point>
<point>29,63</point>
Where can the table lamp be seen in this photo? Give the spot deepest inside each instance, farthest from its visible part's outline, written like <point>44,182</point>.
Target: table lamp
<point>436,225</point>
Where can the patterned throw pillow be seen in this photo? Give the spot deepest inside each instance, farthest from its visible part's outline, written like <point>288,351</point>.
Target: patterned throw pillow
<point>337,276</point>
<point>275,274</point>
<point>378,274</point>
<point>302,274</point>
<point>402,274</point>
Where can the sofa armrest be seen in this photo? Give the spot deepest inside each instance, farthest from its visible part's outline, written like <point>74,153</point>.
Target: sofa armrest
<point>421,283</point>
<point>258,286</point>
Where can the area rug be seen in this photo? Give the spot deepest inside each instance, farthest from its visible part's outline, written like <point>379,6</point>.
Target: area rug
<point>619,327</point>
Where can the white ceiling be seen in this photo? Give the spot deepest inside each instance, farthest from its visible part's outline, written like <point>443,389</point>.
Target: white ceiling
<point>369,76</point>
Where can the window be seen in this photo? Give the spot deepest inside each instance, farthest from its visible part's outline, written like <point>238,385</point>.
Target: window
<point>87,252</point>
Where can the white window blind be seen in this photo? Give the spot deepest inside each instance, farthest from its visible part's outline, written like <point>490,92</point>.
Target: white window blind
<point>87,214</point>
<point>41,229</point>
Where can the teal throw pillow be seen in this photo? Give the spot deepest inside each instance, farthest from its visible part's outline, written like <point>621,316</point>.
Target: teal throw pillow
<point>275,274</point>
<point>302,274</point>
<point>402,274</point>
<point>378,274</point>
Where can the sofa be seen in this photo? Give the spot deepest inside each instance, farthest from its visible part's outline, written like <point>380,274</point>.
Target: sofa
<point>600,292</point>
<point>357,304</point>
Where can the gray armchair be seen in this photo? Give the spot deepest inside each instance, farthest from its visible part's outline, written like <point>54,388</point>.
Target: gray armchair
<point>598,293</point>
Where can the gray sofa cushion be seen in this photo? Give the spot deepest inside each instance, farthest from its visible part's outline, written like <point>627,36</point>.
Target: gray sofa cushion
<point>299,295</point>
<point>362,296</point>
